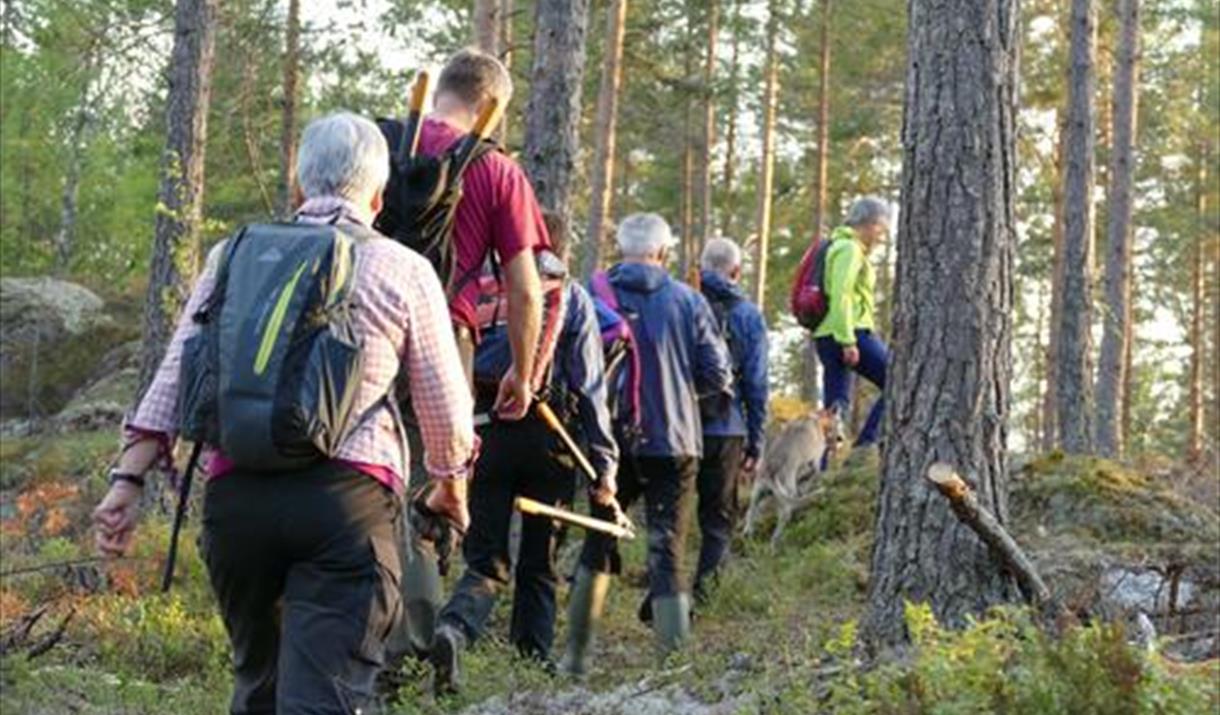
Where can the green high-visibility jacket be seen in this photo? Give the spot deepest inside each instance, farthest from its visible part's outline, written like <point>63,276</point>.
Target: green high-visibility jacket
<point>849,283</point>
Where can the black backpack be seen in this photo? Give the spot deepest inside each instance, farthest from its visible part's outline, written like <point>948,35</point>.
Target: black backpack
<point>422,196</point>
<point>272,376</point>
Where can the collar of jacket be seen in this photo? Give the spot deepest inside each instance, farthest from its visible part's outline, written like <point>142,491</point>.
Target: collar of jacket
<point>324,209</point>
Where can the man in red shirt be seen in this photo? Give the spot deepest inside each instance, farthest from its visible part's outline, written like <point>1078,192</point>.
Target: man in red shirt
<point>498,212</point>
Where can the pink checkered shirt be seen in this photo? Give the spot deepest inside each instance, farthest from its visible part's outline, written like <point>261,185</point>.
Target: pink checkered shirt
<point>403,319</point>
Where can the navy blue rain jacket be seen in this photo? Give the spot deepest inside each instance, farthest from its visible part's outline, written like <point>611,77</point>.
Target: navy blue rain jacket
<point>746,414</point>
<point>682,358</point>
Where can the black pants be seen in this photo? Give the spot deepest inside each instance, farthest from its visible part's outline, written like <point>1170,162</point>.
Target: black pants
<point>305,569</point>
<point>717,488</point>
<point>667,485</point>
<point>517,459</point>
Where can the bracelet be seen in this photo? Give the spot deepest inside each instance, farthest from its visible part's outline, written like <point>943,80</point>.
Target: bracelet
<point>136,479</point>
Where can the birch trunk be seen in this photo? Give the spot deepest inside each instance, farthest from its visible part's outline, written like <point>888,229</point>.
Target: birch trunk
<point>947,397</point>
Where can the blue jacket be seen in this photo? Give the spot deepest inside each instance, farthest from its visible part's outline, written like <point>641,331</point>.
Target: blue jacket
<point>746,414</point>
<point>682,357</point>
<point>579,372</point>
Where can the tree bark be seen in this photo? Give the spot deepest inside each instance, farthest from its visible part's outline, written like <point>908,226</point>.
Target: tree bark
<point>730,136</point>
<point>709,126</point>
<point>766,171</point>
<point>1112,364</point>
<point>180,199</point>
<point>1073,369</point>
<point>601,174</point>
<point>506,56</point>
<point>947,396</point>
<point>1050,433</point>
<point>65,235</point>
<point>552,117</point>
<point>288,115</point>
<point>823,140</point>
<point>487,26</point>
<point>1194,441</point>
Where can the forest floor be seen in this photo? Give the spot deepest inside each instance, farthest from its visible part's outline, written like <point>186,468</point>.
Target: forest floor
<point>777,637</point>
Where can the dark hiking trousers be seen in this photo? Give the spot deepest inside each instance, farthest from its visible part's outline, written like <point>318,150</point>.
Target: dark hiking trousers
<point>667,486</point>
<point>516,459</point>
<point>838,377</point>
<point>717,489</point>
<point>305,569</point>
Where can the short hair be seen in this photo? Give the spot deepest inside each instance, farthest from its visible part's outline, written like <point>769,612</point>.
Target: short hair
<point>342,155</point>
<point>642,235</point>
<point>721,255</point>
<point>473,75</point>
<point>866,210</point>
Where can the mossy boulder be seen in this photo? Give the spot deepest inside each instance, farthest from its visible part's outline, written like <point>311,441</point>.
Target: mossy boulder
<point>103,402</point>
<point>54,335</point>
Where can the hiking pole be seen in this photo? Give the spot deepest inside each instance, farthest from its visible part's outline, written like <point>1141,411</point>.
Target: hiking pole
<point>184,492</point>
<point>531,507</point>
<point>552,421</point>
<point>415,110</point>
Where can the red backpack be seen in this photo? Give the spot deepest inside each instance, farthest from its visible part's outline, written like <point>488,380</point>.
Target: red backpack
<point>808,301</point>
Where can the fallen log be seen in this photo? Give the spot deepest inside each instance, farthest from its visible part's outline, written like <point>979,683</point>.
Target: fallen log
<point>968,511</point>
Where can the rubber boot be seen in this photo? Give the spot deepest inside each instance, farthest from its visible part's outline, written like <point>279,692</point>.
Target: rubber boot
<point>585,605</point>
<point>670,623</point>
<point>446,655</point>
<point>422,598</point>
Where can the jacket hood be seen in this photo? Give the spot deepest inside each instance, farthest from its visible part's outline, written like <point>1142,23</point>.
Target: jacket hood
<point>639,277</point>
<point>718,287</point>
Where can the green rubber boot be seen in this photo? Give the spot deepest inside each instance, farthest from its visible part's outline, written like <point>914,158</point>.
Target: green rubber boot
<point>670,623</point>
<point>585,606</point>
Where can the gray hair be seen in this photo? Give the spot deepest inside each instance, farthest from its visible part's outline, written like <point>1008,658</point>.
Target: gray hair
<point>721,255</point>
<point>343,155</point>
<point>866,210</point>
<point>642,235</point>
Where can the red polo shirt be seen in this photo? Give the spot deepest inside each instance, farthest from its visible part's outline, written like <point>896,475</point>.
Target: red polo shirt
<point>498,211</point>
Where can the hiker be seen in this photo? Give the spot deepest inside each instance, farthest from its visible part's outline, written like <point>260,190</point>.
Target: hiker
<point>304,561</point>
<point>732,436</point>
<point>682,359</point>
<point>496,217</point>
<point>525,458</point>
<point>845,339</point>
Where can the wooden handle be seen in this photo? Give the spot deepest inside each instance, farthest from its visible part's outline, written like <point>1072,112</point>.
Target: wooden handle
<point>419,92</point>
<point>530,507</point>
<point>489,119</point>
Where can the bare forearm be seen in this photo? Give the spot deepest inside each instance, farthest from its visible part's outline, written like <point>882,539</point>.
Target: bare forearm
<point>524,312</point>
<point>140,456</point>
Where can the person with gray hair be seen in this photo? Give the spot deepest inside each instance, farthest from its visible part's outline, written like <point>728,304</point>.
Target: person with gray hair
<point>845,338</point>
<point>732,432</point>
<point>303,557</point>
<point>682,359</point>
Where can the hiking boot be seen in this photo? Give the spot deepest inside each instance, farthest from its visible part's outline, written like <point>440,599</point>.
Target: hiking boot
<point>446,653</point>
<point>644,614</point>
<point>585,605</point>
<point>671,623</point>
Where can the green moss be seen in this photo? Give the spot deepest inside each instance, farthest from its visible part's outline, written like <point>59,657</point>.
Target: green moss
<point>71,455</point>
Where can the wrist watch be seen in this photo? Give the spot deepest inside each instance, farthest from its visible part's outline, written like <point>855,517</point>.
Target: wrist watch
<point>117,476</point>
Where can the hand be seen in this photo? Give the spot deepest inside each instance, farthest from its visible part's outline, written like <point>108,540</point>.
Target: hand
<point>115,519</point>
<point>851,355</point>
<point>448,498</point>
<point>748,465</point>
<point>604,496</point>
<point>513,399</point>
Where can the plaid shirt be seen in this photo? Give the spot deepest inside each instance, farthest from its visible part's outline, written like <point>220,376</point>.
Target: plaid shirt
<point>403,321</point>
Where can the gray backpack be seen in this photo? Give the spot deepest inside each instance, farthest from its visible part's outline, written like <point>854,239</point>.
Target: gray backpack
<point>272,376</point>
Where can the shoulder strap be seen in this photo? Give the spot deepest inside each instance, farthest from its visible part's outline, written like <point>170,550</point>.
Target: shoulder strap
<point>600,283</point>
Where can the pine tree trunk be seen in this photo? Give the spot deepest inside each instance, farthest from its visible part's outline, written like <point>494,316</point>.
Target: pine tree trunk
<point>552,117</point>
<point>1194,441</point>
<point>601,174</point>
<point>487,25</point>
<point>766,170</point>
<point>1050,433</point>
<point>1073,369</point>
<point>947,393</point>
<point>730,136</point>
<point>1111,377</point>
<point>506,56</point>
<point>288,116</point>
<point>823,141</point>
<point>176,236</point>
<point>709,126</point>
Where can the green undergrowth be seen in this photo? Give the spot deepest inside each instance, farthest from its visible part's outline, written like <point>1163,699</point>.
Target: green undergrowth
<point>777,636</point>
